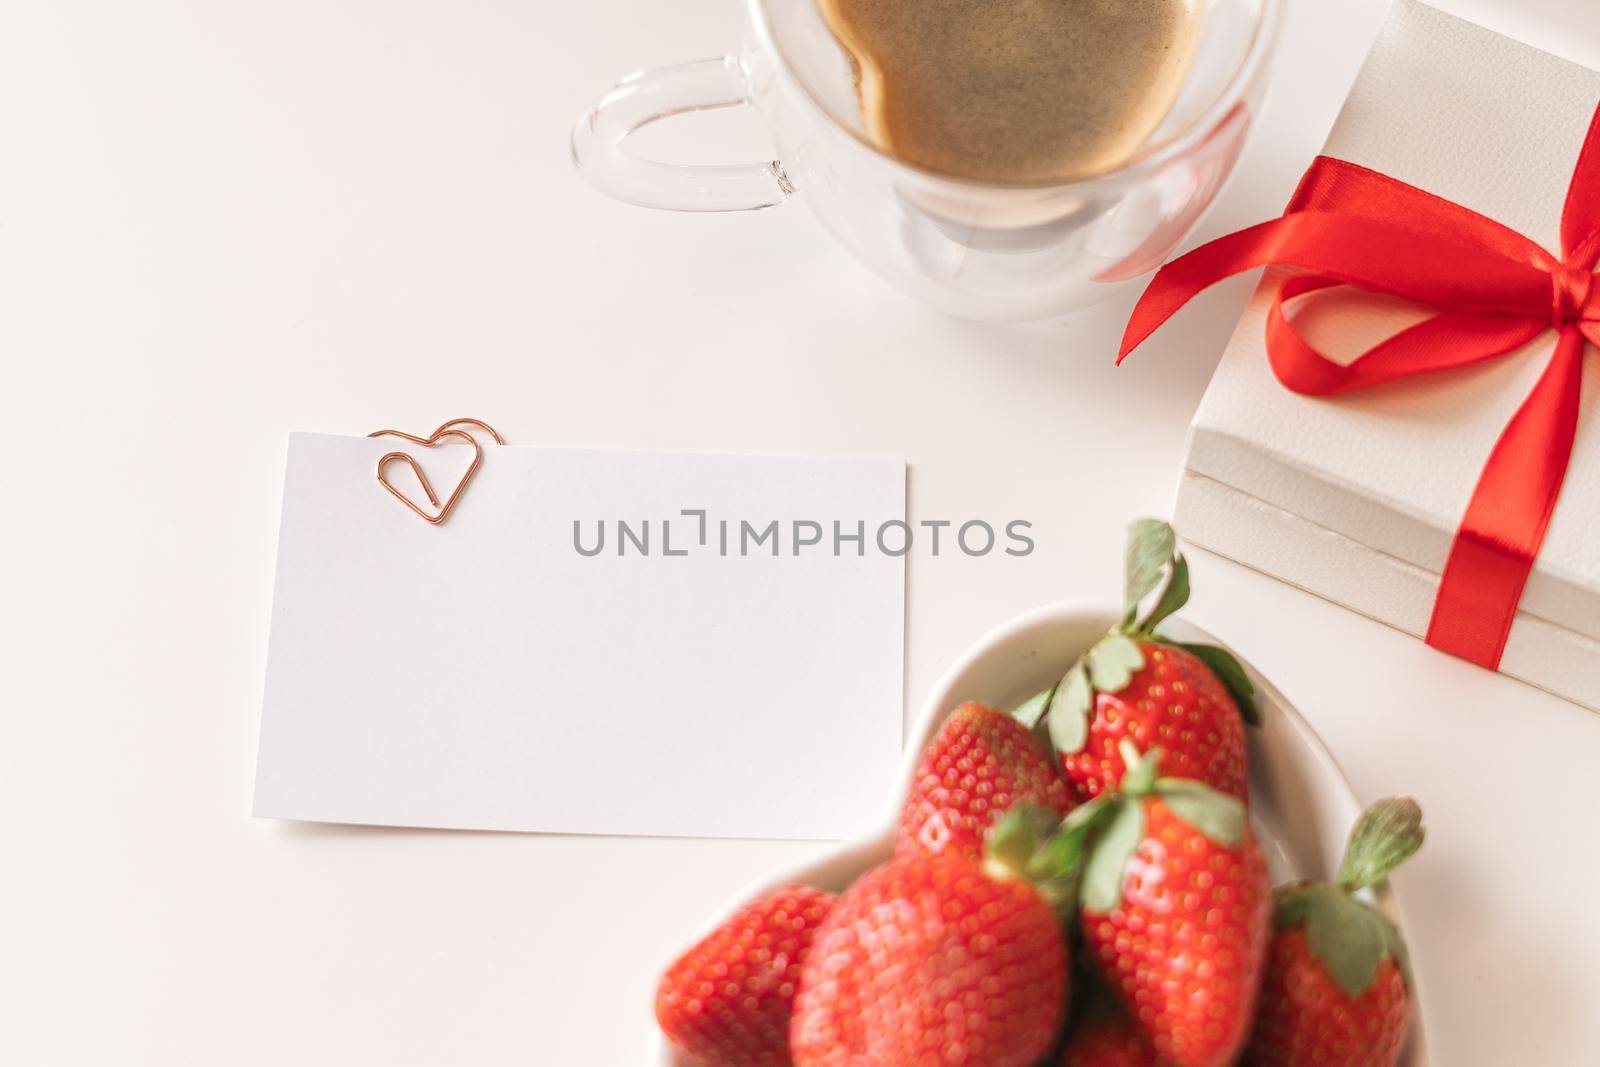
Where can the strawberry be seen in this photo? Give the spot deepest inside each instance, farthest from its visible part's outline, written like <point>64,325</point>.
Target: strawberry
<point>980,765</point>
<point>1336,992</point>
<point>1176,907</point>
<point>936,960</point>
<point>1189,700</point>
<point>1109,1040</point>
<point>1171,700</point>
<point>729,1000</point>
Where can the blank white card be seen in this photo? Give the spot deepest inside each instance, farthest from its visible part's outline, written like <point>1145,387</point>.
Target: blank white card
<point>726,662</point>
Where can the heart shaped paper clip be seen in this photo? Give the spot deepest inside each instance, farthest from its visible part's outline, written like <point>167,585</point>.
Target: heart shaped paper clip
<point>445,430</point>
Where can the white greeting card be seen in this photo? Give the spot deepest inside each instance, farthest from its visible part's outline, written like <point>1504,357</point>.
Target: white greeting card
<point>594,642</point>
<point>1358,497</point>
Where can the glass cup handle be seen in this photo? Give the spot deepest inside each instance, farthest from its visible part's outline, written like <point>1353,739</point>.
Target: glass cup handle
<point>599,151</point>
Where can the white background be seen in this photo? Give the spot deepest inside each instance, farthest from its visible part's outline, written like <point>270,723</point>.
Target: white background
<point>219,223</point>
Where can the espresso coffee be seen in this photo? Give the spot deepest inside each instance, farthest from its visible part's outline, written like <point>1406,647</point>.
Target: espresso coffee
<point>1015,90</point>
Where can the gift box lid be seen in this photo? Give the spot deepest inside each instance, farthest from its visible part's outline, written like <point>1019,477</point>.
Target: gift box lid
<point>1496,126</point>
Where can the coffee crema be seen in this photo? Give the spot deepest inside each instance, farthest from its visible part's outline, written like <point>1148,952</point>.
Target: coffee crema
<point>1015,90</point>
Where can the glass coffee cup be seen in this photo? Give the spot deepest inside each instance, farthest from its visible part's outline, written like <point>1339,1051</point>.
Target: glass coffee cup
<point>982,250</point>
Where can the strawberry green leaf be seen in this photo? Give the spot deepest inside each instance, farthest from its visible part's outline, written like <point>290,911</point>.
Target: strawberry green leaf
<point>1151,545</point>
<point>1057,870</point>
<point>1395,945</point>
<point>1231,673</point>
<point>1290,902</point>
<point>1386,835</point>
<point>1172,599</point>
<point>1109,854</point>
<point>1112,662</point>
<point>1014,839</point>
<point>1063,852</point>
<point>1030,843</point>
<point>1139,770</point>
<point>1347,936</point>
<point>1029,713</point>
<point>1088,815</point>
<point>1069,710</point>
<point>1220,817</point>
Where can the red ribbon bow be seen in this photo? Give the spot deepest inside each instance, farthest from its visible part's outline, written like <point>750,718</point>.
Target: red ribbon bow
<point>1494,290</point>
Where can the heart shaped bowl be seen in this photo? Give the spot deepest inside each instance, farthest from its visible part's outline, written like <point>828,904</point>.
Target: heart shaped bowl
<point>1302,807</point>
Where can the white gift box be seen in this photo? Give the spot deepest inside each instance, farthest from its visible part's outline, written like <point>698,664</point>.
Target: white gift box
<point>1357,498</point>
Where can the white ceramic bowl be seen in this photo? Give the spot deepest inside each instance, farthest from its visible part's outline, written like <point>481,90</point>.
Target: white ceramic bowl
<point>1302,807</point>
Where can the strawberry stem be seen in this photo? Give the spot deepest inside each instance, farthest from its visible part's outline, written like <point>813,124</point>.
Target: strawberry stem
<point>1387,834</point>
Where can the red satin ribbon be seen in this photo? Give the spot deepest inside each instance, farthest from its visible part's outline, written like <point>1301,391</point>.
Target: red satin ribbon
<point>1494,291</point>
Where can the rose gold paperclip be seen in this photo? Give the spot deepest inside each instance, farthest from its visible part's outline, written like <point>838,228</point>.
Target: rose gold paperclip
<point>445,430</point>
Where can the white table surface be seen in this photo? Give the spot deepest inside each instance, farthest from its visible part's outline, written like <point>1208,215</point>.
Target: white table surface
<point>220,223</point>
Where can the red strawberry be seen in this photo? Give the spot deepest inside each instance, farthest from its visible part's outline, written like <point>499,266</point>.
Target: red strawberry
<point>1172,701</point>
<point>1110,1040</point>
<point>933,960</point>
<point>1191,701</point>
<point>1335,992</point>
<point>729,1000</point>
<point>1176,907</point>
<point>982,763</point>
